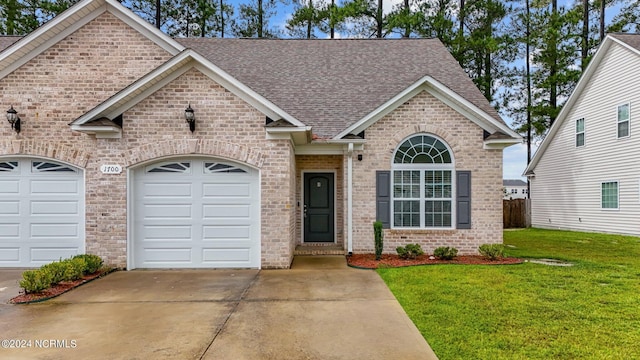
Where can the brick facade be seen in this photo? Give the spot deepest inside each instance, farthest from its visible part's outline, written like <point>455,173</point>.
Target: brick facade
<point>104,56</point>
<point>227,128</point>
<point>426,114</point>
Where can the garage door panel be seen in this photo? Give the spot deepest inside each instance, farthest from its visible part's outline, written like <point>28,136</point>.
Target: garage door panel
<point>55,207</point>
<point>10,207</point>
<point>172,232</point>
<point>8,187</point>
<point>54,187</point>
<point>48,254</point>
<point>164,190</point>
<point>10,254</point>
<point>9,231</point>
<point>218,256</point>
<point>226,190</point>
<point>167,211</point>
<point>226,232</point>
<point>226,211</point>
<point>221,207</point>
<point>51,230</point>
<point>167,255</point>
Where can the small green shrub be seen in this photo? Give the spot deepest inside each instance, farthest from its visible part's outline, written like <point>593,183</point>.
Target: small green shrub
<point>93,262</point>
<point>410,251</point>
<point>56,270</point>
<point>34,281</point>
<point>492,251</point>
<point>379,238</point>
<point>74,268</point>
<point>445,253</point>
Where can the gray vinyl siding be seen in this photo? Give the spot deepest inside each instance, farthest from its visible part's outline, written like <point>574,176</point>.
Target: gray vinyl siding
<point>565,192</point>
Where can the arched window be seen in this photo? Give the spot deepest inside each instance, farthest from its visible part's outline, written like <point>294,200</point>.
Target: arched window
<point>423,184</point>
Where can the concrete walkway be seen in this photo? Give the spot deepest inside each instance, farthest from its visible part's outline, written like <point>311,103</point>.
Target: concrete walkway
<point>320,309</point>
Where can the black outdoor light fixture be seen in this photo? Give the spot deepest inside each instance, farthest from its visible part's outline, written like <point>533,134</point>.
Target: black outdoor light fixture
<point>191,118</point>
<point>14,120</point>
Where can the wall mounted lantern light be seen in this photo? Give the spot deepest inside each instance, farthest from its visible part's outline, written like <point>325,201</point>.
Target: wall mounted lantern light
<point>190,117</point>
<point>14,120</point>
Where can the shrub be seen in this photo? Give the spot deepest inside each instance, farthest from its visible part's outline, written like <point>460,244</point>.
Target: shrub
<point>56,270</point>
<point>379,238</point>
<point>492,251</point>
<point>410,251</point>
<point>445,253</point>
<point>34,281</point>
<point>93,262</point>
<point>74,268</point>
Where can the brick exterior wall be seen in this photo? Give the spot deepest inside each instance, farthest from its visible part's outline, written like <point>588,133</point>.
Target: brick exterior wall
<point>94,63</point>
<point>426,114</point>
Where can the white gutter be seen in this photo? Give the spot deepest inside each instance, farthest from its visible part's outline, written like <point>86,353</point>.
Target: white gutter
<point>350,199</point>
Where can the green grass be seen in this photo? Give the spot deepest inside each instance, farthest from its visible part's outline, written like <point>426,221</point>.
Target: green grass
<point>530,311</point>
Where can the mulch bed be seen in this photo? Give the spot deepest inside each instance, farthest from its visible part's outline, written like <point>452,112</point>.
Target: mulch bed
<point>57,290</point>
<point>368,261</point>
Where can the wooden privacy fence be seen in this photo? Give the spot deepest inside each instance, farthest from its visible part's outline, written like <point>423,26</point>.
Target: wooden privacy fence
<point>516,213</point>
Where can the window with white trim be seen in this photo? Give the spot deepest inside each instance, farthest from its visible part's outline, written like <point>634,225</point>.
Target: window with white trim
<point>609,195</point>
<point>423,184</point>
<point>580,132</point>
<point>623,120</point>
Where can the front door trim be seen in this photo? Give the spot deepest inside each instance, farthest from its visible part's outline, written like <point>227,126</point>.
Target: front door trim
<point>335,199</point>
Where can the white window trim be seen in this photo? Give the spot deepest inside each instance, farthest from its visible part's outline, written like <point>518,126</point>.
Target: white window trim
<point>424,167</point>
<point>583,132</point>
<point>628,121</point>
<point>618,195</point>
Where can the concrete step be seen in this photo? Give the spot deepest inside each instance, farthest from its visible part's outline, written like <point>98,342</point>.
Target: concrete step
<point>319,249</point>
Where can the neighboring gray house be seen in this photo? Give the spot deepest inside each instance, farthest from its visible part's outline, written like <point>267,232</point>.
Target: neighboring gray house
<point>156,152</point>
<point>586,173</point>
<point>514,189</point>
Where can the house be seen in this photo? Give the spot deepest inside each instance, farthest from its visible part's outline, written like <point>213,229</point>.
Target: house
<point>586,173</point>
<point>514,189</point>
<point>155,152</point>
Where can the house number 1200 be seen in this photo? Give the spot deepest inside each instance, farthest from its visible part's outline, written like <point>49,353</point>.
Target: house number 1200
<point>111,169</point>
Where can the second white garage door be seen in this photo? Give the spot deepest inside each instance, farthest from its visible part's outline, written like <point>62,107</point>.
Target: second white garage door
<point>196,213</point>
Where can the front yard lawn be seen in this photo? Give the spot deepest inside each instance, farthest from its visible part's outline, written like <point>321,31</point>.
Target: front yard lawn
<point>531,311</point>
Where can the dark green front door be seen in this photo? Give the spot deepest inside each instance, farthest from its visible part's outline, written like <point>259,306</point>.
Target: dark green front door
<point>318,207</point>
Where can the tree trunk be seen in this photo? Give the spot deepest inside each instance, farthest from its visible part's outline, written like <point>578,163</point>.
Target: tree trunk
<point>553,71</point>
<point>332,26</point>
<point>260,18</point>
<point>602,4</point>
<point>221,19</point>
<point>158,3</point>
<point>585,33</point>
<point>407,29</point>
<point>379,20</point>
<point>528,75</point>
<point>310,20</point>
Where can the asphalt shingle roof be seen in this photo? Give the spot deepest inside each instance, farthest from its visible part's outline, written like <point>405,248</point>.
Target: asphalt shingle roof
<point>8,40</point>
<point>331,84</point>
<point>632,40</point>
<point>513,182</point>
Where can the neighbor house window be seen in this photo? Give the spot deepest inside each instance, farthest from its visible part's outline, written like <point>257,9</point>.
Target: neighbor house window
<point>579,132</point>
<point>623,120</point>
<point>422,184</point>
<point>609,195</point>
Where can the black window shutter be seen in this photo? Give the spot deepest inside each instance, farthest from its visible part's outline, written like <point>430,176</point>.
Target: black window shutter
<point>383,198</point>
<point>463,199</point>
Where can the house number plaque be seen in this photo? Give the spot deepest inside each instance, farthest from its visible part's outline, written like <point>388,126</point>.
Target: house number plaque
<point>111,169</point>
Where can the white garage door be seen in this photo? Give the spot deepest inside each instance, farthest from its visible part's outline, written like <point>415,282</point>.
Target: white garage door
<point>41,212</point>
<point>196,213</point>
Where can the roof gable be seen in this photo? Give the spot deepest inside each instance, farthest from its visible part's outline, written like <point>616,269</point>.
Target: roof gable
<point>159,77</point>
<point>68,22</point>
<point>628,41</point>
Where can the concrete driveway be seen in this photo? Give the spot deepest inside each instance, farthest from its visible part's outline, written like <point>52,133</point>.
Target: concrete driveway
<point>319,309</point>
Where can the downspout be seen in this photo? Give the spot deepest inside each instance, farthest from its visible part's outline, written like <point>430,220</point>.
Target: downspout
<point>350,199</point>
